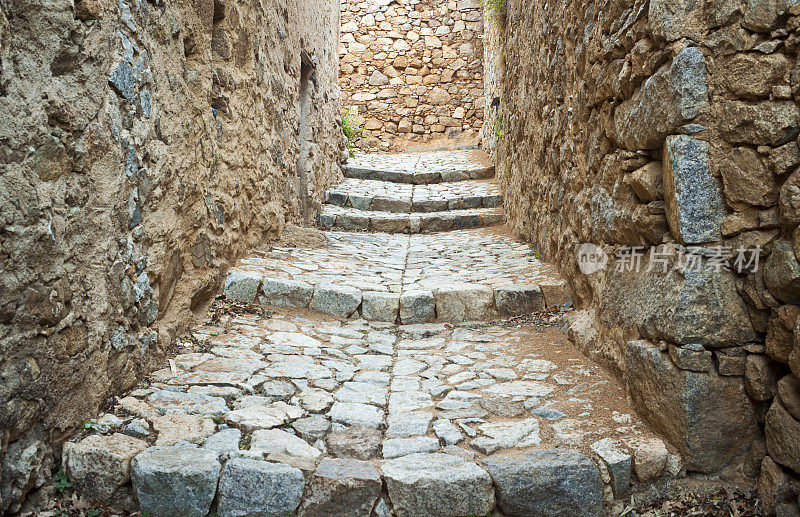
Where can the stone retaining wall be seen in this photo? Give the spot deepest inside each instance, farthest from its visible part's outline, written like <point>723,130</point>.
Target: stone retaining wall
<point>144,146</point>
<point>413,68</point>
<point>667,123</point>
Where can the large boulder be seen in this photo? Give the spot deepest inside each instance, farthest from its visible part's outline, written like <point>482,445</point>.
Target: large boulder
<point>692,196</point>
<point>761,123</point>
<point>686,307</point>
<point>25,466</point>
<point>341,488</point>
<point>380,306</point>
<point>98,465</point>
<point>437,485</point>
<point>789,393</point>
<point>747,179</point>
<point>752,75</point>
<point>708,417</point>
<point>258,488</point>
<point>616,461</point>
<point>551,482</point>
<point>671,20</point>
<point>764,15</point>
<point>675,95</point>
<point>783,435</point>
<point>782,273</point>
<point>170,481</point>
<point>775,487</point>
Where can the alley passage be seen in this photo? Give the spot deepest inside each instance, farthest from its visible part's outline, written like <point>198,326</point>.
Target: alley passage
<point>393,373</point>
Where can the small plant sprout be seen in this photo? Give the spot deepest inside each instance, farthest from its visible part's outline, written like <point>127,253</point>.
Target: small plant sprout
<point>90,425</point>
<point>351,125</point>
<point>62,482</point>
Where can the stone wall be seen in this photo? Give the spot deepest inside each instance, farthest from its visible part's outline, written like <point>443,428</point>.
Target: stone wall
<point>670,123</point>
<point>144,146</point>
<point>494,65</point>
<point>413,68</point>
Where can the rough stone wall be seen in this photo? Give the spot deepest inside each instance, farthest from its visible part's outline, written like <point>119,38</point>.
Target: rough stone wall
<point>494,62</point>
<point>667,123</point>
<point>413,68</point>
<point>144,146</point>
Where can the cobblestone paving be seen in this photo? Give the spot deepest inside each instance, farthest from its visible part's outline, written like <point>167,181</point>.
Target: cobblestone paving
<point>420,168</point>
<point>392,263</point>
<point>378,410</point>
<point>394,197</point>
<point>296,388</point>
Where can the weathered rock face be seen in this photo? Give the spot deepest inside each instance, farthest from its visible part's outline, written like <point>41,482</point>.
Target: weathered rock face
<point>672,97</point>
<point>143,147</point>
<point>697,306</point>
<point>671,125</point>
<point>99,465</point>
<point>547,482</point>
<point>689,407</point>
<point>413,69</point>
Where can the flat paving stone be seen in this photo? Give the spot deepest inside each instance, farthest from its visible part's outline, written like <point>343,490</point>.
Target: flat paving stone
<point>396,447</point>
<point>411,423</point>
<point>355,442</point>
<point>190,403</point>
<point>354,413</point>
<point>277,441</point>
<point>224,441</point>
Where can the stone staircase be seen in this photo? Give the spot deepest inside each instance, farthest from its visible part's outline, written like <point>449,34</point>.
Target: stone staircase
<point>418,195</point>
<point>370,388</point>
<point>456,274</point>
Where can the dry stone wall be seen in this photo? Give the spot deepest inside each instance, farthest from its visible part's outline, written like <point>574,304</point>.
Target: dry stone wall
<point>671,125</point>
<point>144,145</point>
<point>413,68</point>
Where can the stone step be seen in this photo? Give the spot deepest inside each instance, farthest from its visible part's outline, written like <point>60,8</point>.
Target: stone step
<point>187,479</point>
<point>382,196</point>
<point>353,219</point>
<point>417,177</point>
<point>456,302</point>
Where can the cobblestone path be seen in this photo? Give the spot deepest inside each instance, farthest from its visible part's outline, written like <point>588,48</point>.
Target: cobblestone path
<point>384,375</point>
